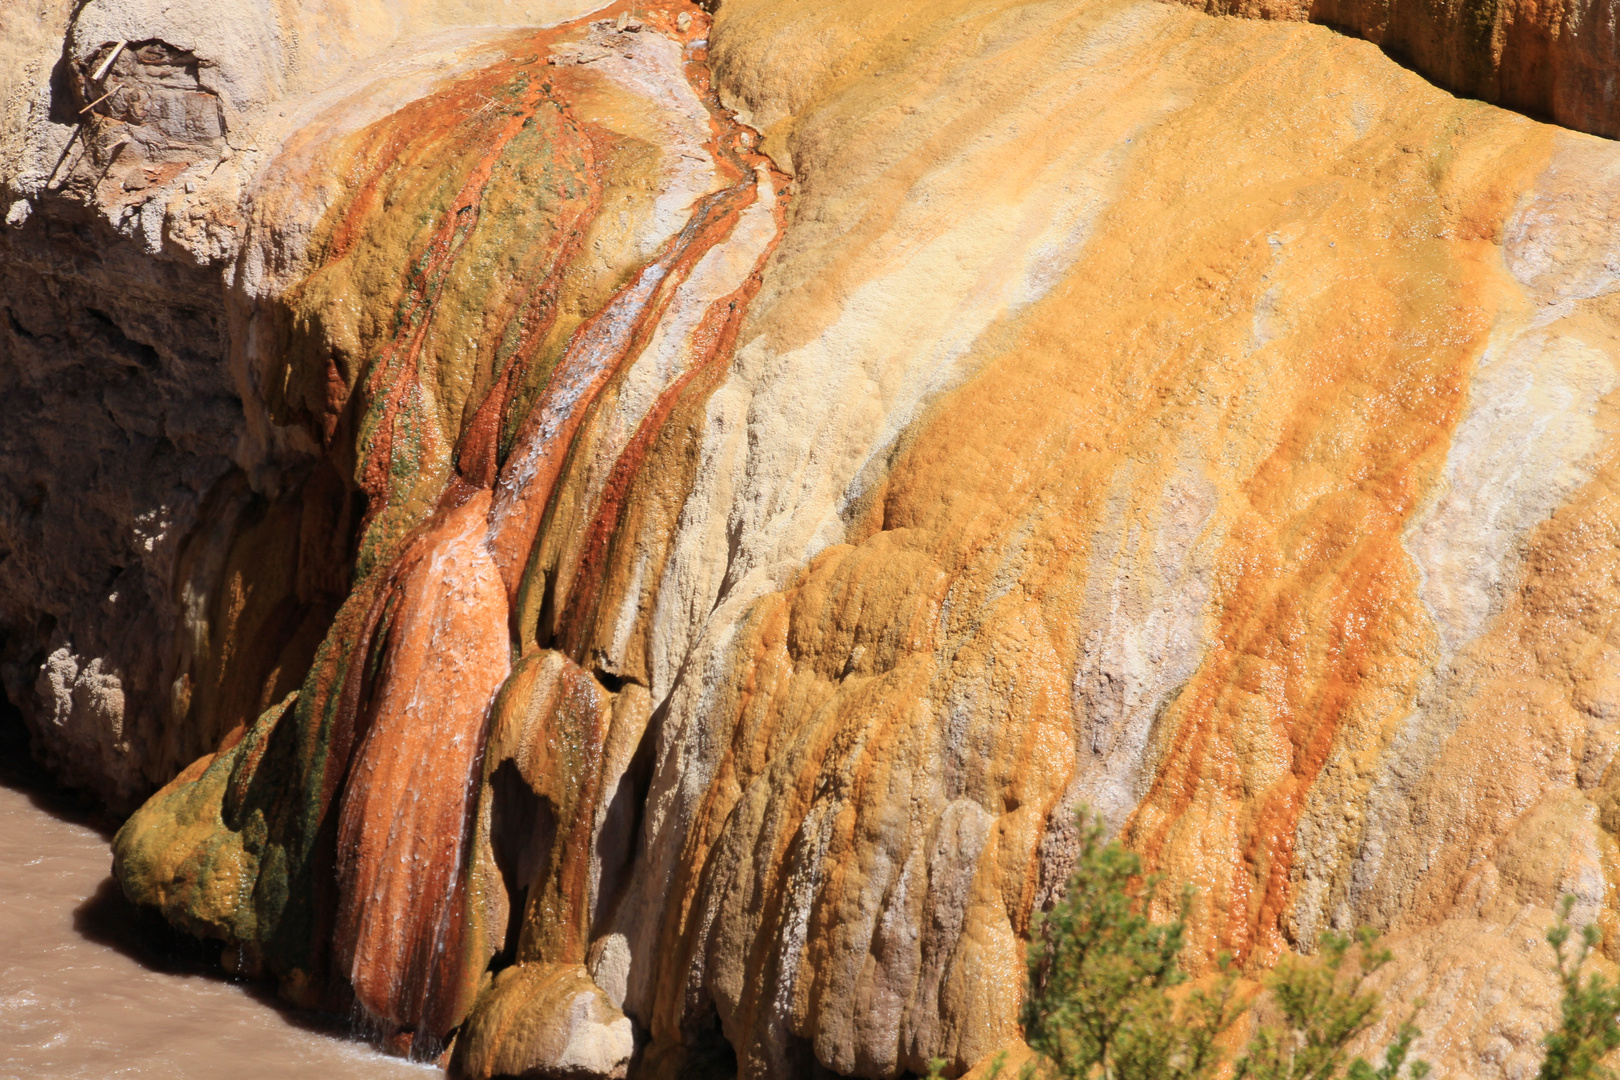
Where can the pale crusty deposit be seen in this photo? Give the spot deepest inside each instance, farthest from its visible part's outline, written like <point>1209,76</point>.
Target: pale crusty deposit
<point>709,498</point>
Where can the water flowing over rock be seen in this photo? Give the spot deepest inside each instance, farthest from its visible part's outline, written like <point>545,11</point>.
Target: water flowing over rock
<point>611,542</point>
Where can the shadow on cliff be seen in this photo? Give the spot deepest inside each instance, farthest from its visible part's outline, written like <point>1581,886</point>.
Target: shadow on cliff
<point>21,773</point>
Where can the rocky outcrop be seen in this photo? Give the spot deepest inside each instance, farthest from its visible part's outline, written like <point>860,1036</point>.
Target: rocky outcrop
<point>545,1020</point>
<point>707,497</point>
<point>168,557</point>
<point>1560,61</point>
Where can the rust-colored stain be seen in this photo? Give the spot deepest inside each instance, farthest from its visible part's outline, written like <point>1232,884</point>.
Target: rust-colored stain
<point>1139,424</point>
<point>455,407</point>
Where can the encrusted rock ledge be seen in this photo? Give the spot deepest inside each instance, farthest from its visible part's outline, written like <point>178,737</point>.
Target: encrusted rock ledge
<point>1557,61</point>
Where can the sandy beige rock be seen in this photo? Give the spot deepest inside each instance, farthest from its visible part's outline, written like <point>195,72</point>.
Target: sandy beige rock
<point>544,1020</point>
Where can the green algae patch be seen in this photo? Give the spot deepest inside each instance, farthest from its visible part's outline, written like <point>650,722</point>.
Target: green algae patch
<point>177,853</point>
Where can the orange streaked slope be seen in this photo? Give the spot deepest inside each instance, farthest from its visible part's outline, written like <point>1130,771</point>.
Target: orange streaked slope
<point>777,503</point>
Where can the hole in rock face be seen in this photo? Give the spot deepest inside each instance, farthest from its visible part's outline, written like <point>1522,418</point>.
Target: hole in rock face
<point>709,1055</point>
<point>610,682</point>
<point>34,502</point>
<point>802,1063</point>
<point>152,83</point>
<point>522,829</point>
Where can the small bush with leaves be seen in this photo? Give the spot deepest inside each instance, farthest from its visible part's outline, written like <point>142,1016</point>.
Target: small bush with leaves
<point>1588,1030</point>
<point>1100,1006</point>
<point>1100,1001</point>
<point>1324,1003</point>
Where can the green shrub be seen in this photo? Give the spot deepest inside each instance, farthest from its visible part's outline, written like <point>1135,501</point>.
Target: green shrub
<point>1324,1006</point>
<point>1099,1005</point>
<point>1588,1029</point>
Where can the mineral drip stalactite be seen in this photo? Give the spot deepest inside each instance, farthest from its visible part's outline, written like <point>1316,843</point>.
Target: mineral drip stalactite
<point>354,827</point>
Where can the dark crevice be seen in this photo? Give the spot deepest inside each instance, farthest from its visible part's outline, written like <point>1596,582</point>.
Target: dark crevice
<point>547,618</point>
<point>18,328</point>
<point>709,1054</point>
<point>802,1062</point>
<point>17,766</point>
<point>610,682</point>
<point>621,829</point>
<point>34,503</point>
<point>144,355</point>
<point>522,830</point>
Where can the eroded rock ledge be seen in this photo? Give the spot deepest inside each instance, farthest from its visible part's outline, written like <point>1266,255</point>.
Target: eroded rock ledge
<point>1557,61</point>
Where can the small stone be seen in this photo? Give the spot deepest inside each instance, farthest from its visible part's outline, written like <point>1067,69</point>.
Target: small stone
<point>18,213</point>
<point>544,1020</point>
<point>624,21</point>
<point>683,21</point>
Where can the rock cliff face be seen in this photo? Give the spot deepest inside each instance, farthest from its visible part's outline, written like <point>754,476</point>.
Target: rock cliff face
<point>625,539</point>
<point>1556,60</point>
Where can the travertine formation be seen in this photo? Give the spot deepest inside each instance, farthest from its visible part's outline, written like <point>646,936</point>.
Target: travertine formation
<point>1556,60</point>
<point>694,500</point>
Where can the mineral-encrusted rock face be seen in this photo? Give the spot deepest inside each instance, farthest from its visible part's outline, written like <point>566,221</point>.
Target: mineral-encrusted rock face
<point>665,514</point>
<point>1554,60</point>
<point>169,558</point>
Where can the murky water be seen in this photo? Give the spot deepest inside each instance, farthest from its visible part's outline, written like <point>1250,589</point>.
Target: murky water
<point>87,990</point>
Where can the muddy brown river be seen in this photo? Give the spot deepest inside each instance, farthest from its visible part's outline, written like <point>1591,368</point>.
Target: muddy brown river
<point>88,989</point>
